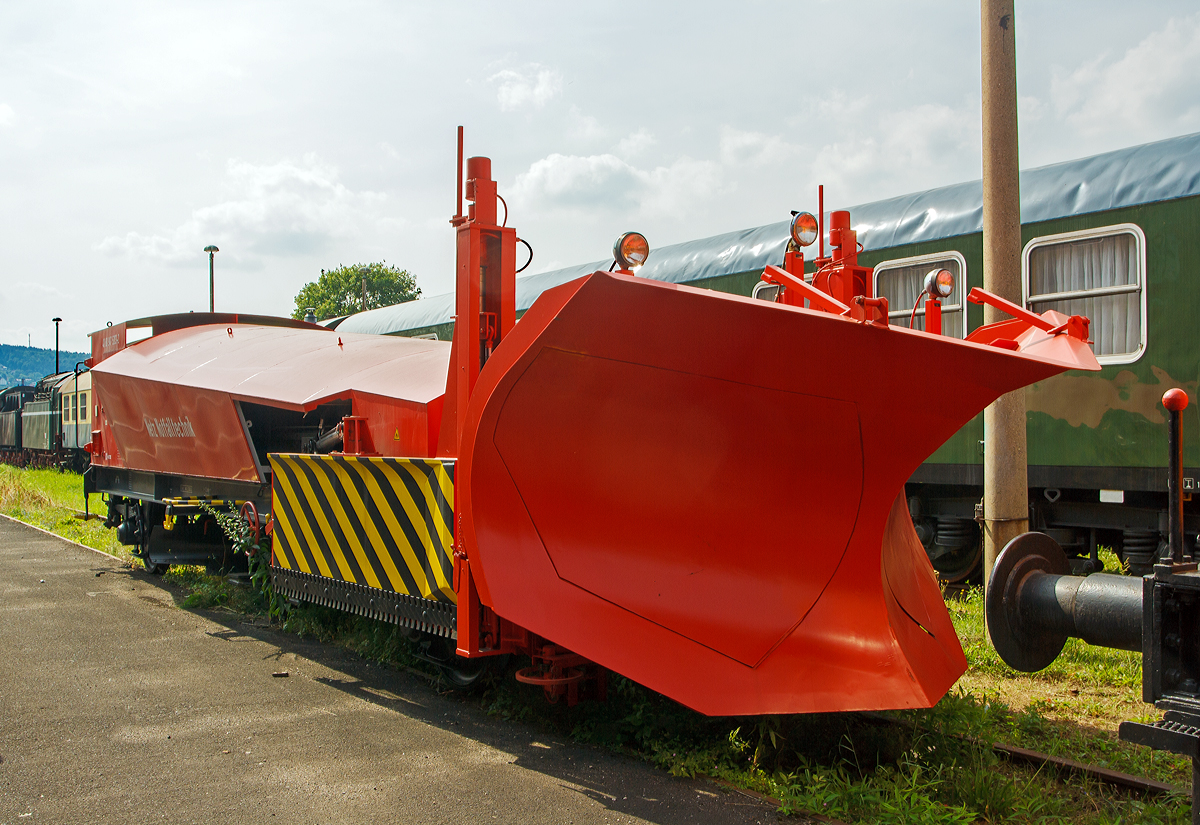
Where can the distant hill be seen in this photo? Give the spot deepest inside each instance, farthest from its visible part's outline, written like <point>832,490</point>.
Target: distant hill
<point>29,364</point>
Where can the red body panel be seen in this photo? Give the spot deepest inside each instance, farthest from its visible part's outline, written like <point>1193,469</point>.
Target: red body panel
<point>705,493</point>
<point>167,428</point>
<point>106,342</point>
<point>398,428</point>
<point>188,380</point>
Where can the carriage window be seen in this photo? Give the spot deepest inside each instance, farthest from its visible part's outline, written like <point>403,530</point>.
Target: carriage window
<point>83,409</point>
<point>901,281</point>
<point>766,292</point>
<point>1097,273</point>
<point>66,407</point>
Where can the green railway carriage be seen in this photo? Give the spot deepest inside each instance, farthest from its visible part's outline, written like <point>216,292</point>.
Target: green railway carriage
<point>12,400</point>
<point>1113,237</point>
<point>48,425</point>
<point>41,423</point>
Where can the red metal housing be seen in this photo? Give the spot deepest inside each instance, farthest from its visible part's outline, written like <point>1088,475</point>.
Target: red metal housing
<point>171,403</point>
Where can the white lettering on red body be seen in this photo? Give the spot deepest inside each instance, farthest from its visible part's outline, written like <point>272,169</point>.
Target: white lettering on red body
<point>169,427</point>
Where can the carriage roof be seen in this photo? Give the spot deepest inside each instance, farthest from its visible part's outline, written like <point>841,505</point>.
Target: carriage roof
<point>1164,170</point>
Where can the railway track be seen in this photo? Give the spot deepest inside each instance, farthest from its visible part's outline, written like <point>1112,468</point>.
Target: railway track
<point>1139,786</point>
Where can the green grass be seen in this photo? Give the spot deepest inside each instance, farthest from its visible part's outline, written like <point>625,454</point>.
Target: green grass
<point>938,767</point>
<point>1071,708</point>
<point>51,500</point>
<point>935,766</point>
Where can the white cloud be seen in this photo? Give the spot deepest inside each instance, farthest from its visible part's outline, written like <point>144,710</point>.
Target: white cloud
<point>905,150</point>
<point>683,188</point>
<point>31,289</point>
<point>635,144</point>
<point>607,183</point>
<point>755,148</point>
<point>836,106</point>
<point>1150,89</point>
<point>534,86</point>
<point>574,181</point>
<point>280,209</point>
<point>584,127</point>
<point>7,116</point>
<point>1030,109</point>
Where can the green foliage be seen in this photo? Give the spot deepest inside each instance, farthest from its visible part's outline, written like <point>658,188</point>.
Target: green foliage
<point>372,639</point>
<point>258,555</point>
<point>339,291</point>
<point>902,796</point>
<point>31,364</point>
<point>204,591</point>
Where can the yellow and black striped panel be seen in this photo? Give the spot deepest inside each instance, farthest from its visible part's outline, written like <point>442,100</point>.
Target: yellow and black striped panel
<point>385,523</point>
<point>196,502</point>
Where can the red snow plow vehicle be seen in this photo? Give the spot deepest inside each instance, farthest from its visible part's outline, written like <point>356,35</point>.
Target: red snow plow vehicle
<point>699,491</point>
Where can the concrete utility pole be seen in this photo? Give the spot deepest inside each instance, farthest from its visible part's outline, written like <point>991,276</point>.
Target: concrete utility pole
<point>1005,470</point>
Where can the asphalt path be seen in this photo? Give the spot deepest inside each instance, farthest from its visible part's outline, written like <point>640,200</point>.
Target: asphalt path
<point>117,706</point>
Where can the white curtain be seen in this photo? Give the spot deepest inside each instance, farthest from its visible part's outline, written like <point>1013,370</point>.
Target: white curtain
<point>1090,264</point>
<point>902,284</point>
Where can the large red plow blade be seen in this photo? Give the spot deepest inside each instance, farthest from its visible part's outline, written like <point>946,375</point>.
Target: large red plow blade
<point>705,493</point>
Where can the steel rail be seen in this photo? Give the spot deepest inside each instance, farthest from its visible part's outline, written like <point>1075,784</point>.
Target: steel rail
<point>1142,785</point>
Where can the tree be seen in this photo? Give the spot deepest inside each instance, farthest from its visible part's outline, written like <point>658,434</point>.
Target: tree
<point>339,291</point>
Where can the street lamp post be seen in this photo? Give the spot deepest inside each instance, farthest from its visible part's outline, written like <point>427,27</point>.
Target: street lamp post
<point>364,272</point>
<point>211,295</point>
<point>56,321</point>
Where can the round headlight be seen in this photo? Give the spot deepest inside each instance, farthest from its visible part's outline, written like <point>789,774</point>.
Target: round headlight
<point>804,228</point>
<point>631,250</point>
<point>939,283</point>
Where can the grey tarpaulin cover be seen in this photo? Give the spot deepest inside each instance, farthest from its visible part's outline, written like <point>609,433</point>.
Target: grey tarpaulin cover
<point>1153,172</point>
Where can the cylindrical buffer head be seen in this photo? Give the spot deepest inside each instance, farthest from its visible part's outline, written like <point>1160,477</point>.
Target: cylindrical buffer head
<point>1033,605</point>
<point>1021,645</point>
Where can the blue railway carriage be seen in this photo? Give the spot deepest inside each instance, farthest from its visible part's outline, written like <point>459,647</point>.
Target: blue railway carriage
<point>1112,237</point>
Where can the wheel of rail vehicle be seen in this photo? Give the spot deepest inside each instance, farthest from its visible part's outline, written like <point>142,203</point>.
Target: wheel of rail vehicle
<point>957,564</point>
<point>153,568</point>
<point>463,674</point>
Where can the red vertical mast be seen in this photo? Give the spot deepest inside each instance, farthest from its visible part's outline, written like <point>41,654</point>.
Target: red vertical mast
<point>485,292</point>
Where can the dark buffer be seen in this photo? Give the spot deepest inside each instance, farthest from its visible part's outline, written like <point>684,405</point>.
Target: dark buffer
<point>1033,607</point>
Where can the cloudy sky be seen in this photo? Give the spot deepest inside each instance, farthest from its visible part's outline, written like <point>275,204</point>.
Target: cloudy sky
<point>299,136</point>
